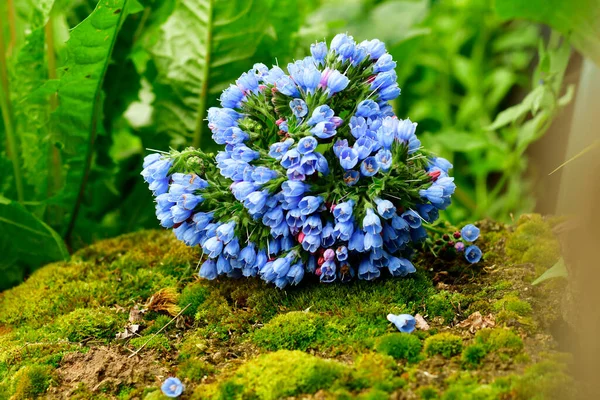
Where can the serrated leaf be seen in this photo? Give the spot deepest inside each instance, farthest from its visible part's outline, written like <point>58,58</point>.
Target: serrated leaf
<point>558,270</point>
<point>202,47</point>
<point>76,121</point>
<point>25,240</point>
<point>31,114</point>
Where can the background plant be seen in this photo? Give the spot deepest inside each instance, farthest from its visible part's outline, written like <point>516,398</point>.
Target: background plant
<point>86,86</point>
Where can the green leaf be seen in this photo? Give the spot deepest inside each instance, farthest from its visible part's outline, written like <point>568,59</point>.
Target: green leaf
<point>517,111</point>
<point>32,113</point>
<point>577,19</point>
<point>203,47</point>
<point>391,21</point>
<point>25,240</point>
<point>532,130</point>
<point>76,121</point>
<point>558,270</point>
<point>462,141</point>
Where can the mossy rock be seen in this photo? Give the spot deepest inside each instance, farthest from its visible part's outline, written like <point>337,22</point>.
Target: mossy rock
<point>246,339</point>
<point>445,344</point>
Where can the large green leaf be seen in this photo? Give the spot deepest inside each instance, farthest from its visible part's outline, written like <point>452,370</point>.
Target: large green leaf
<point>202,47</point>
<point>577,19</point>
<point>76,121</point>
<point>25,241</point>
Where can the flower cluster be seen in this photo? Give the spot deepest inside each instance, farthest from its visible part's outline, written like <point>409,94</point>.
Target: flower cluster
<point>317,175</point>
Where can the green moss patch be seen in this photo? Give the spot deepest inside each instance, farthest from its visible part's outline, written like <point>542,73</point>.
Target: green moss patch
<point>401,346</point>
<point>473,355</point>
<point>503,342</point>
<point>499,340</point>
<point>281,374</point>
<point>445,344</point>
<point>159,343</point>
<point>192,297</point>
<point>86,323</point>
<point>533,242</point>
<point>513,304</point>
<point>297,330</point>
<point>443,304</point>
<point>377,371</point>
<point>31,382</point>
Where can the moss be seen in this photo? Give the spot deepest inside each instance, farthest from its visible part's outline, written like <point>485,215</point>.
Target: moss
<point>159,343</point>
<point>117,271</point>
<point>156,322</point>
<point>499,340</point>
<point>503,285</point>
<point>194,294</point>
<point>32,381</point>
<point>372,370</point>
<point>401,346</point>
<point>195,370</point>
<point>473,354</point>
<point>372,394</point>
<point>194,345</point>
<point>156,395</point>
<point>83,323</point>
<point>514,304</point>
<point>296,330</point>
<point>428,393</point>
<point>446,344</point>
<point>275,375</point>
<point>466,387</point>
<point>483,306</point>
<point>545,380</point>
<point>444,303</point>
<point>533,242</point>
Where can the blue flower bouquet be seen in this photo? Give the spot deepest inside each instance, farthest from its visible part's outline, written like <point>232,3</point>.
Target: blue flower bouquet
<point>317,176</point>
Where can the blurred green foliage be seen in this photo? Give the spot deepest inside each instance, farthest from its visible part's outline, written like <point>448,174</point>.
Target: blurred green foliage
<point>87,85</point>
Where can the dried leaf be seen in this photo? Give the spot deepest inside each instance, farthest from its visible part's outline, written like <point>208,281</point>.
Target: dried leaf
<point>164,300</point>
<point>476,321</point>
<point>421,323</point>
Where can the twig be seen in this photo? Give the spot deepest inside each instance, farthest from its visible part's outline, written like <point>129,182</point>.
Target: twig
<point>160,330</point>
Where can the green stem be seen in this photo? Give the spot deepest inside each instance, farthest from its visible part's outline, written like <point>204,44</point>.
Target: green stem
<point>12,26</point>
<point>11,138</point>
<point>197,140</point>
<point>481,193</point>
